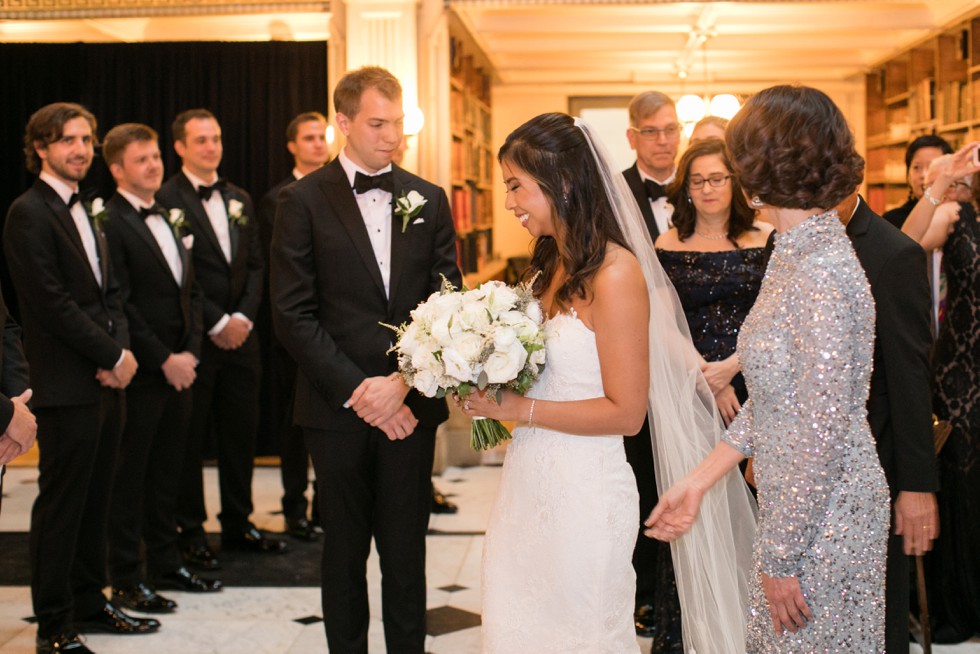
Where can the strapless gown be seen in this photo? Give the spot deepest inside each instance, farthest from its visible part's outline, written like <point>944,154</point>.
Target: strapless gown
<point>557,571</point>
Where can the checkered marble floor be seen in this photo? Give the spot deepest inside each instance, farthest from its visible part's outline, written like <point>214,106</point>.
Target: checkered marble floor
<point>287,620</point>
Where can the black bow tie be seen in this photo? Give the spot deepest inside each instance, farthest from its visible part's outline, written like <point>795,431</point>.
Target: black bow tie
<point>204,192</point>
<point>155,210</point>
<point>364,183</point>
<point>72,200</point>
<point>654,191</point>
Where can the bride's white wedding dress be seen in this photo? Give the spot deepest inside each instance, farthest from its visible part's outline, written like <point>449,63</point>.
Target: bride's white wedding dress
<point>557,571</point>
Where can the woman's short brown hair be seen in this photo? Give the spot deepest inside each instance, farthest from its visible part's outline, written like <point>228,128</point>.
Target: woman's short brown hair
<point>792,148</point>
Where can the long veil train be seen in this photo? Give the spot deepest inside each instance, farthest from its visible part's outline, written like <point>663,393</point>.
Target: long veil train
<point>713,562</point>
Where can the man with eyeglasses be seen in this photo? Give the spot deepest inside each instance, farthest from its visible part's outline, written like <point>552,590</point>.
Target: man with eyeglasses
<point>655,134</point>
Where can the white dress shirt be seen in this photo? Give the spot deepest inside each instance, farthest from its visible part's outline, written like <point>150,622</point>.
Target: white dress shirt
<point>662,210</point>
<point>82,222</point>
<point>162,233</point>
<point>375,206</point>
<point>217,214</point>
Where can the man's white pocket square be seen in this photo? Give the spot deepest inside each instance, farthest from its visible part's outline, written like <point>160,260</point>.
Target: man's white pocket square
<point>418,221</point>
<point>188,241</point>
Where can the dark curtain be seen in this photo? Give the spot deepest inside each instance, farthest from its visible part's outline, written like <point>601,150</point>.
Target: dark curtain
<point>254,90</point>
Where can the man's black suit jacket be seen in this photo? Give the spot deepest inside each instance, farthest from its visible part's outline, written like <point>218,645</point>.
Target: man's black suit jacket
<point>267,213</point>
<point>13,366</point>
<point>72,325</point>
<point>328,298</point>
<point>164,317</point>
<point>632,175</point>
<point>226,288</point>
<point>899,405</point>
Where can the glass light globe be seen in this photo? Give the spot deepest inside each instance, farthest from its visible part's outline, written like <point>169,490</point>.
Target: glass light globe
<point>690,108</point>
<point>414,120</point>
<point>724,105</point>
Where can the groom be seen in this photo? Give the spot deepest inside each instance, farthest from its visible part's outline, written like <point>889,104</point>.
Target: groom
<point>342,263</point>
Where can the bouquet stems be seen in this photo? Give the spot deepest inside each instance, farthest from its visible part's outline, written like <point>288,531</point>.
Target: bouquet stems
<point>487,433</point>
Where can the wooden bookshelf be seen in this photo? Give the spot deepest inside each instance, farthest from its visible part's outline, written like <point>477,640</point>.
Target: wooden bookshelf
<point>932,88</point>
<point>470,82</point>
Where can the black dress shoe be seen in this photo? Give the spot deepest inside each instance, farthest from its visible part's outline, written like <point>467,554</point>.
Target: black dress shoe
<point>69,643</point>
<point>112,620</point>
<point>200,556</point>
<point>185,580</point>
<point>252,540</point>
<point>440,504</point>
<point>301,529</point>
<point>142,598</point>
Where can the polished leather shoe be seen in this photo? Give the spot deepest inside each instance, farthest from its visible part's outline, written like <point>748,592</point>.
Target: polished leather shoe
<point>200,556</point>
<point>301,529</point>
<point>69,643</point>
<point>440,504</point>
<point>112,620</point>
<point>142,598</point>
<point>252,540</point>
<point>185,580</point>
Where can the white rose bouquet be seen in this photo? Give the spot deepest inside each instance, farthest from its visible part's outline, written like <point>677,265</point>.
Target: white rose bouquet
<point>486,339</point>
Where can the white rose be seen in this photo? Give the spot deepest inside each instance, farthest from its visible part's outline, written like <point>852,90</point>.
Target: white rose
<point>469,345</point>
<point>473,315</point>
<point>235,208</point>
<point>440,331</point>
<point>537,357</point>
<point>533,311</point>
<point>503,365</point>
<point>501,298</point>
<point>456,366</point>
<point>503,337</point>
<point>98,206</point>
<point>423,359</point>
<point>426,382</point>
<point>409,340</point>
<point>415,199</point>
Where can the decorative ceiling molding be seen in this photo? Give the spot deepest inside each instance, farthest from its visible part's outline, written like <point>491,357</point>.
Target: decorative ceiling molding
<point>81,9</point>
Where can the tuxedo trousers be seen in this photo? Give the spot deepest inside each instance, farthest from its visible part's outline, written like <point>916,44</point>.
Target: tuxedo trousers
<point>294,460</point>
<point>78,446</point>
<point>648,551</point>
<point>144,493</point>
<point>370,486</point>
<point>226,403</point>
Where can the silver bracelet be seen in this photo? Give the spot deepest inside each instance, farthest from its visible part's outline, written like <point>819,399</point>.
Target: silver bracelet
<point>927,194</point>
<point>530,414</point>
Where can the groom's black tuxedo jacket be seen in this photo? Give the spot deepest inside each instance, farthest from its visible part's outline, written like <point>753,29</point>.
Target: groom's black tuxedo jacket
<point>328,296</point>
<point>635,182</point>
<point>13,366</point>
<point>164,316</point>
<point>226,288</point>
<point>899,405</point>
<point>72,325</point>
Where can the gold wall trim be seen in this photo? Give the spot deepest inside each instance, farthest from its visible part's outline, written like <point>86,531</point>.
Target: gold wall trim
<point>79,9</point>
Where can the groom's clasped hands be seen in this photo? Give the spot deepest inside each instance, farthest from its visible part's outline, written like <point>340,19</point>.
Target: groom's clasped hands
<point>380,402</point>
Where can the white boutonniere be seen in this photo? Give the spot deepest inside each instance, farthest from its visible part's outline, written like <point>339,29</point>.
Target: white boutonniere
<point>177,220</point>
<point>409,206</point>
<point>236,213</point>
<point>97,210</point>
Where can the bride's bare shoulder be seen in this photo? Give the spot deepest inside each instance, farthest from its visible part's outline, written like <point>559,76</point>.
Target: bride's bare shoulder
<point>620,268</point>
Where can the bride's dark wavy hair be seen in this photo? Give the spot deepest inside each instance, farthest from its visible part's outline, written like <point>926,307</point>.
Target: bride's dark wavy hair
<point>555,153</point>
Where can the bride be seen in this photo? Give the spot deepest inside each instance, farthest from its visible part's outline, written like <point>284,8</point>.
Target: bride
<point>557,573</point>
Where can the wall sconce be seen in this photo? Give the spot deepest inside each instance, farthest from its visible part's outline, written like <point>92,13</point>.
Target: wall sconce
<point>414,121</point>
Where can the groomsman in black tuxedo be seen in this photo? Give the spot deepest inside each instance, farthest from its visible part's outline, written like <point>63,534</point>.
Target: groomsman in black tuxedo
<point>228,268</point>
<point>18,426</point>
<point>899,404</point>
<point>163,306</point>
<point>342,263</point>
<point>306,139</point>
<point>654,133</point>
<point>76,340</point>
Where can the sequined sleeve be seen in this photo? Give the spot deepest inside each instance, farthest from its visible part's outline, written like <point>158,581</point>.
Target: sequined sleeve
<point>740,433</point>
<point>826,368</point>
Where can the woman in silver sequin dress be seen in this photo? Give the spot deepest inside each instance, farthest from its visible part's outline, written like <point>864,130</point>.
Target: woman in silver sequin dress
<point>806,352</point>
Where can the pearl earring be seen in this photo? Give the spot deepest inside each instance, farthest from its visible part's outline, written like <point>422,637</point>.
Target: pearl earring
<point>756,202</point>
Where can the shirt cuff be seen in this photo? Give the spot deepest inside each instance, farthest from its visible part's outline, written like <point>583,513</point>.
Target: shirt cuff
<point>218,326</point>
<point>122,356</point>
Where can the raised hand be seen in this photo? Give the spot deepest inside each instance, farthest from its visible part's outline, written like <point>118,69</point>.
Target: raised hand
<point>675,512</point>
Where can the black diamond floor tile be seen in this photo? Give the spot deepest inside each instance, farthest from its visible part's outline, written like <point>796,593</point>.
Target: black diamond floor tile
<point>310,619</point>
<point>447,619</point>
<point>452,589</point>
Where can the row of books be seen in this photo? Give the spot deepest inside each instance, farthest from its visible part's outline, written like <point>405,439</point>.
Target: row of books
<point>470,160</point>
<point>922,104</point>
<point>471,209</point>
<point>955,101</point>
<point>474,250</point>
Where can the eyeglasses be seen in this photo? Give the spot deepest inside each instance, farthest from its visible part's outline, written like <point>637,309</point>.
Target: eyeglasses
<point>715,181</point>
<point>652,133</point>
